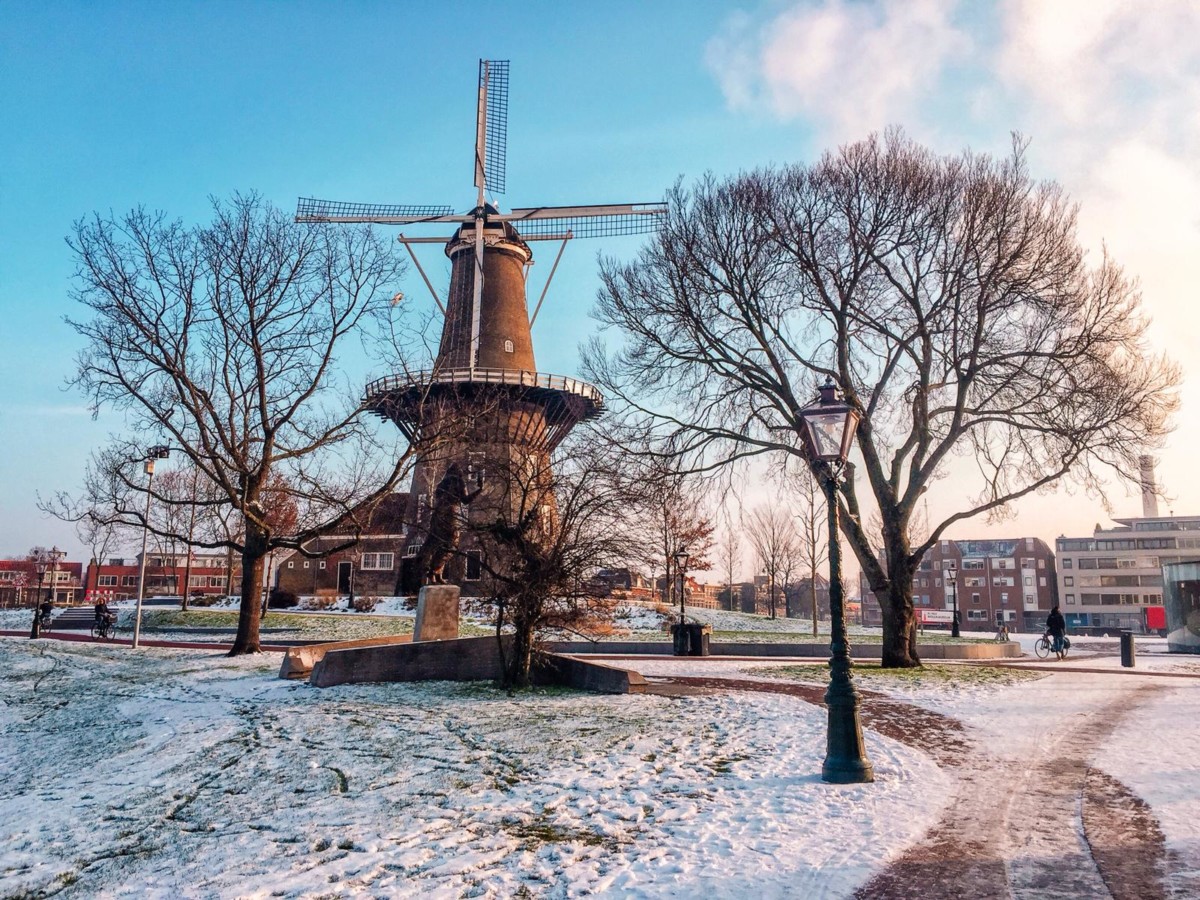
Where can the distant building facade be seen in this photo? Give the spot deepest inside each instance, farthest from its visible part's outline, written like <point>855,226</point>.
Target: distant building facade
<point>371,567</point>
<point>20,584</point>
<point>1009,581</point>
<point>212,574</point>
<point>1113,579</point>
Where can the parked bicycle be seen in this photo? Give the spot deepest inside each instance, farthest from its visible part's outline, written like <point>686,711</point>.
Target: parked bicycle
<point>1045,646</point>
<point>104,629</point>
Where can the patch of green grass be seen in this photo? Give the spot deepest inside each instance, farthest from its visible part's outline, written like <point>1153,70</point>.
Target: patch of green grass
<point>923,676</point>
<point>539,832</point>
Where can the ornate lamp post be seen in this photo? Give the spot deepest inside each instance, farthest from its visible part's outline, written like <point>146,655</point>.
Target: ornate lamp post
<point>681,642</point>
<point>47,564</point>
<point>952,582</point>
<point>154,453</point>
<point>829,426</point>
<point>681,561</point>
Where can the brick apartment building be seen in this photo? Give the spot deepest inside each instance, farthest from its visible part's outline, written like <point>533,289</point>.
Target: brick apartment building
<point>211,575</point>
<point>1011,581</point>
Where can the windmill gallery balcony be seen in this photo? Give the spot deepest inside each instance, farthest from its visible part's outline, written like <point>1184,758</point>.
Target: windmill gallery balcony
<point>402,398</point>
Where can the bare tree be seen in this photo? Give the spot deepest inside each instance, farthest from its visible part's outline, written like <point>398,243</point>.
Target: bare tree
<point>676,516</point>
<point>224,342</point>
<point>812,535</point>
<point>946,297</point>
<point>557,525</point>
<point>729,555</point>
<point>772,534</point>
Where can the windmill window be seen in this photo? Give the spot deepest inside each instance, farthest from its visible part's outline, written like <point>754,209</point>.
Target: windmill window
<point>508,346</point>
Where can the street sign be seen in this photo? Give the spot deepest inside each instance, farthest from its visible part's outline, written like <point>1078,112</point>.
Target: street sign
<point>935,616</point>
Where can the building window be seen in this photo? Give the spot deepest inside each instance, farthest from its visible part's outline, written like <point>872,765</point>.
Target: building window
<point>321,564</point>
<point>1042,581</point>
<point>1031,598</point>
<point>291,565</point>
<point>1003,596</point>
<point>508,346</point>
<point>106,581</point>
<point>306,564</point>
<point>129,580</point>
<point>1028,581</point>
<point>1041,564</point>
<point>474,565</point>
<point>412,550</point>
<point>1066,562</point>
<point>1068,581</point>
<point>1070,599</point>
<point>974,598</point>
<point>377,562</point>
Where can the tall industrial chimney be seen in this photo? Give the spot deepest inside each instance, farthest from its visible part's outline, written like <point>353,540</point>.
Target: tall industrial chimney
<point>1149,492</point>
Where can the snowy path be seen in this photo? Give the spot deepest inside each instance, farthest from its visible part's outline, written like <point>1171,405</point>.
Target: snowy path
<point>1053,782</point>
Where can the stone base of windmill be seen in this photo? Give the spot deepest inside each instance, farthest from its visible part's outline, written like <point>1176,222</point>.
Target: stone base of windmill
<point>437,613</point>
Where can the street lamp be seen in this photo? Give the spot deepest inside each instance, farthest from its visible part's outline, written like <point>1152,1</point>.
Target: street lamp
<point>952,583</point>
<point>681,561</point>
<point>46,563</point>
<point>828,432</point>
<point>154,453</point>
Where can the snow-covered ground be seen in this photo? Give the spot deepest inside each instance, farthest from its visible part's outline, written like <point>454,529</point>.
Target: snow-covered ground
<point>168,773</point>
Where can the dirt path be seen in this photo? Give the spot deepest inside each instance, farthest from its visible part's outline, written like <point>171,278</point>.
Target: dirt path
<point>1045,825</point>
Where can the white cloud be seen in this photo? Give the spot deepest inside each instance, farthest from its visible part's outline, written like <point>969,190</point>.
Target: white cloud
<point>850,67</point>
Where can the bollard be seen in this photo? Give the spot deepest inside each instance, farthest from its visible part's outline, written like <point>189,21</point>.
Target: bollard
<point>1128,655</point>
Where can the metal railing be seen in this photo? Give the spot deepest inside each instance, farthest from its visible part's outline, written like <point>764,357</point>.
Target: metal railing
<point>514,377</point>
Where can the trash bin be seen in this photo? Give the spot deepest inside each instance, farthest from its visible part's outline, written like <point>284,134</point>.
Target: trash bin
<point>681,634</point>
<point>698,638</point>
<point>1128,655</point>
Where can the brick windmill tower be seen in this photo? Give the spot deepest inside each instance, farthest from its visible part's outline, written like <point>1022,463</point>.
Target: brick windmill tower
<point>484,406</point>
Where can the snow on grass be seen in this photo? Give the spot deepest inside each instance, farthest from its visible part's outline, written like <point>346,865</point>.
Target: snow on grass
<point>1154,753</point>
<point>162,773</point>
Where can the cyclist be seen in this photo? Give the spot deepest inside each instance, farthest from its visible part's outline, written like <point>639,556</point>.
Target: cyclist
<point>105,617</point>
<point>46,613</point>
<point>1056,627</point>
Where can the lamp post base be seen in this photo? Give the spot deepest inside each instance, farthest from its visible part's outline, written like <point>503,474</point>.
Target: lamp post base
<point>845,753</point>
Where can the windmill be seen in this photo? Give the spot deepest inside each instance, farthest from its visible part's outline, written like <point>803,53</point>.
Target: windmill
<point>485,372</point>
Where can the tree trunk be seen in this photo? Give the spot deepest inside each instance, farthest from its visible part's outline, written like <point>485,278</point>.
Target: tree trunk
<point>899,624</point>
<point>250,610</point>
<point>517,671</point>
<point>813,588</point>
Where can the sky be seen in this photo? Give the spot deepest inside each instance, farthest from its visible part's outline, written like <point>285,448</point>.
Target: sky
<point>110,106</point>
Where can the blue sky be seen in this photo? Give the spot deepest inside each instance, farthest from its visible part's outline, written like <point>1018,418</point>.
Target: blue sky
<point>107,106</point>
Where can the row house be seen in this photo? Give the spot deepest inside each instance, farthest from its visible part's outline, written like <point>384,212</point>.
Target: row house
<point>21,585</point>
<point>997,582</point>
<point>211,574</point>
<point>370,567</point>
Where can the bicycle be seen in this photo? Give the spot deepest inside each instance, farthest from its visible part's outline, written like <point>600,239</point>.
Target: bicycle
<point>104,629</point>
<point>1045,644</point>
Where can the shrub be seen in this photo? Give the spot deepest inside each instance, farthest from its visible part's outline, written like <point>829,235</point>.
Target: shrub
<point>282,599</point>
